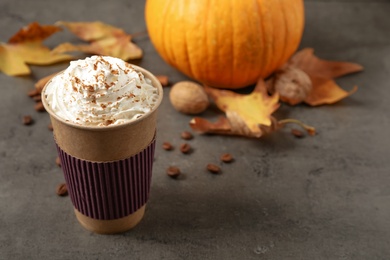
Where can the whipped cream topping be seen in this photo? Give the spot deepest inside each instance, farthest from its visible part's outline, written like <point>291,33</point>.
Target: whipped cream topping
<point>100,91</point>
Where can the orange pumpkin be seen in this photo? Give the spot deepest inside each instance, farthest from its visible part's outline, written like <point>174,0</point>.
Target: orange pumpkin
<point>225,43</point>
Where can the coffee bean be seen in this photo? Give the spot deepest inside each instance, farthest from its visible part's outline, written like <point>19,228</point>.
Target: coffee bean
<point>37,98</point>
<point>33,93</point>
<point>27,120</point>
<point>39,107</point>
<point>167,146</point>
<point>226,157</point>
<point>50,127</point>
<point>58,161</point>
<point>163,80</point>
<point>213,168</point>
<point>173,171</point>
<point>62,190</point>
<point>185,148</point>
<point>186,135</point>
<point>297,133</point>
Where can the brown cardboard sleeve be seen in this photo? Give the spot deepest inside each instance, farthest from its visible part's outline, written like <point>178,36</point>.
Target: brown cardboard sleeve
<point>102,145</point>
<point>109,190</point>
<point>110,226</point>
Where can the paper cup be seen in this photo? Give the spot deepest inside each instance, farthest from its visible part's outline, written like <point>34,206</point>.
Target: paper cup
<point>108,169</point>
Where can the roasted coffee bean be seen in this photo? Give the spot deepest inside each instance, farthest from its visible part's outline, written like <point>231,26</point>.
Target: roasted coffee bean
<point>62,190</point>
<point>58,161</point>
<point>167,146</point>
<point>37,98</point>
<point>39,107</point>
<point>27,120</point>
<point>33,93</point>
<point>186,135</point>
<point>173,171</point>
<point>227,157</point>
<point>163,80</point>
<point>185,148</point>
<point>213,168</point>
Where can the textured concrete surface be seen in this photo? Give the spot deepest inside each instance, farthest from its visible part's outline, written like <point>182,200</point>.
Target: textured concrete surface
<point>322,197</point>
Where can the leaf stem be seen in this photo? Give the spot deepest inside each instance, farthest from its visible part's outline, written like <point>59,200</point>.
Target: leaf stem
<point>138,34</point>
<point>309,129</point>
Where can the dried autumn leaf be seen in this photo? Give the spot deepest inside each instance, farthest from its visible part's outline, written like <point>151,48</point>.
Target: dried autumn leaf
<point>327,92</point>
<point>322,72</point>
<point>239,126</point>
<point>233,126</point>
<point>252,110</point>
<point>103,39</point>
<point>245,114</point>
<point>203,126</point>
<point>26,47</point>
<point>315,67</point>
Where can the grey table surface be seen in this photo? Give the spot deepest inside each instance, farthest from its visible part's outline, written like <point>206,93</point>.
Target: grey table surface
<point>322,197</point>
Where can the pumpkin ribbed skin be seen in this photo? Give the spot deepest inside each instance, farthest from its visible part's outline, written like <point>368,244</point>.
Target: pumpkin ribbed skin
<point>225,43</point>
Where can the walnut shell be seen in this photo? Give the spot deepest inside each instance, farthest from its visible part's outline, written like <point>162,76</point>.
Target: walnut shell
<point>292,84</point>
<point>188,97</point>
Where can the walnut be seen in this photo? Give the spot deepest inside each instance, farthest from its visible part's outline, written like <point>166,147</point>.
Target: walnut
<point>292,84</point>
<point>188,97</point>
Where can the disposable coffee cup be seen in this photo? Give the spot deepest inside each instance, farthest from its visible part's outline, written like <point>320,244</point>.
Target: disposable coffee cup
<point>108,169</point>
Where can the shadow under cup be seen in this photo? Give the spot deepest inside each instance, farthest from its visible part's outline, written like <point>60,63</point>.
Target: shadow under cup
<point>108,169</point>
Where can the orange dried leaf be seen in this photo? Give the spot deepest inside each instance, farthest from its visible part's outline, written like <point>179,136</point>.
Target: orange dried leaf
<point>203,126</point>
<point>321,73</point>
<point>327,92</point>
<point>252,110</point>
<point>315,67</point>
<point>231,125</point>
<point>34,32</point>
<point>26,47</point>
<point>103,39</point>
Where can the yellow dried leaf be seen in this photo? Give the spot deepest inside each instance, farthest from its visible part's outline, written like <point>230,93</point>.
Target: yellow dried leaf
<point>239,126</point>
<point>26,47</point>
<point>252,110</point>
<point>246,115</point>
<point>103,39</point>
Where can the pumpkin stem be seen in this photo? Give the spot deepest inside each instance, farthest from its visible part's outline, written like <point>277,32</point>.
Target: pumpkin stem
<point>309,129</point>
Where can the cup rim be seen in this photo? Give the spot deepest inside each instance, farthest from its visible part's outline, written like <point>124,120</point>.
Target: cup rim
<point>146,73</point>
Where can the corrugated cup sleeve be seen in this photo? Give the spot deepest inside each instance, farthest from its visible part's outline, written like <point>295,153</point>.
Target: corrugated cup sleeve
<point>109,190</point>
